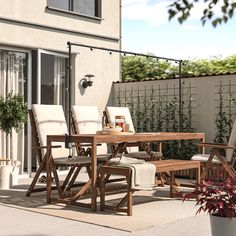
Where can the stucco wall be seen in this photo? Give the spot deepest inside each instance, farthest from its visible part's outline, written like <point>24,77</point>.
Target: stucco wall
<point>204,92</point>
<point>36,12</point>
<point>102,33</point>
<point>27,24</point>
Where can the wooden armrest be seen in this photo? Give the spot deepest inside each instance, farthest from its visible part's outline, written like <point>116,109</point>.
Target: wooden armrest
<point>216,145</point>
<point>42,147</point>
<point>87,144</point>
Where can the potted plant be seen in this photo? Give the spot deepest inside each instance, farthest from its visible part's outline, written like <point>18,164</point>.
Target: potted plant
<point>218,198</point>
<point>13,114</point>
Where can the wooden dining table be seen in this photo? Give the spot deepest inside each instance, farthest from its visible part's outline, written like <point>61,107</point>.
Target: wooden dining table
<point>96,139</point>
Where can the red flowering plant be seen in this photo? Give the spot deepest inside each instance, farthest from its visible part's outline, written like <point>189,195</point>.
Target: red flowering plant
<point>217,197</point>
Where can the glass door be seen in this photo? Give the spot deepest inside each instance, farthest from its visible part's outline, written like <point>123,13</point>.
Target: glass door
<point>14,77</point>
<point>49,87</point>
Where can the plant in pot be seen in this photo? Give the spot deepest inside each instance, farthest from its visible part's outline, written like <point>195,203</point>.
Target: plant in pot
<point>13,114</point>
<point>218,198</point>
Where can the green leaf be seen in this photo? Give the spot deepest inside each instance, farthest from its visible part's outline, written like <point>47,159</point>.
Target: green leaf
<point>13,112</point>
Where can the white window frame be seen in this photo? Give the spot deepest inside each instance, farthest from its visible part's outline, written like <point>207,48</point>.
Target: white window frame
<point>39,53</point>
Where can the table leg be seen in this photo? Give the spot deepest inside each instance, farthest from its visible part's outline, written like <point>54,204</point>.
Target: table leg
<point>94,176</point>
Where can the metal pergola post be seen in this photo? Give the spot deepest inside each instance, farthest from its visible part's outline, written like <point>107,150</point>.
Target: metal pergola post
<point>180,97</point>
<point>69,97</point>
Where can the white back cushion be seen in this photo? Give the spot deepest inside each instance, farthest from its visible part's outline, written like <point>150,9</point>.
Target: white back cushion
<point>124,111</point>
<point>88,121</point>
<point>118,111</point>
<point>232,142</point>
<point>50,120</point>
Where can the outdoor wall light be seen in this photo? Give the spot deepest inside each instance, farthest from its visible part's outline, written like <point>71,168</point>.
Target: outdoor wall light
<point>87,82</point>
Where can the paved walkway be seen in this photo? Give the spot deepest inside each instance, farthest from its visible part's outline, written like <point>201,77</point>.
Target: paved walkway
<point>17,222</point>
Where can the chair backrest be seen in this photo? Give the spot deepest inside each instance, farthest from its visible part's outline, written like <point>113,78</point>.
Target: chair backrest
<point>111,112</point>
<point>50,120</point>
<point>35,137</point>
<point>88,121</point>
<point>232,142</point>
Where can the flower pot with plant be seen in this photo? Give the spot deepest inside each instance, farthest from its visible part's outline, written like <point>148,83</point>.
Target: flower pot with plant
<point>218,198</point>
<point>13,114</point>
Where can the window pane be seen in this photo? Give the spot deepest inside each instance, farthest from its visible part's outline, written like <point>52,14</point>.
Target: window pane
<point>52,79</point>
<point>86,7</point>
<point>61,4</point>
<point>47,74</point>
<point>13,72</point>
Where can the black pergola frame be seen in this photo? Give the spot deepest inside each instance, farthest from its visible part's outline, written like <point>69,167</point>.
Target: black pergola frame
<point>110,50</point>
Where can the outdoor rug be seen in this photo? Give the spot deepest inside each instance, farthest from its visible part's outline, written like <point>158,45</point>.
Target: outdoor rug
<point>150,208</point>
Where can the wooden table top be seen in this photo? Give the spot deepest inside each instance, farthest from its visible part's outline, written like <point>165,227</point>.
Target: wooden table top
<point>136,137</point>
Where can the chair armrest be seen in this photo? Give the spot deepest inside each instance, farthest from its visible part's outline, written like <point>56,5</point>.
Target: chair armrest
<point>87,144</point>
<point>42,147</point>
<point>216,145</point>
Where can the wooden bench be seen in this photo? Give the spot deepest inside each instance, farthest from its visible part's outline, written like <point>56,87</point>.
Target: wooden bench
<point>162,166</point>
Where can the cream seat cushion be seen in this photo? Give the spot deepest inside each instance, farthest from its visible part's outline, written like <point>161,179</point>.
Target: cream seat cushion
<point>88,121</point>
<point>229,152</point>
<point>50,120</point>
<point>204,158</point>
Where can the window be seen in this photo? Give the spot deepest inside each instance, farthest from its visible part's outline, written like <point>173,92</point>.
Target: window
<point>53,72</point>
<point>83,7</point>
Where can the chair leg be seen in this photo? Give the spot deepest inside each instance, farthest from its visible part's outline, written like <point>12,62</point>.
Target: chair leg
<point>67,178</point>
<point>129,194</point>
<point>70,185</point>
<point>32,185</point>
<point>102,191</point>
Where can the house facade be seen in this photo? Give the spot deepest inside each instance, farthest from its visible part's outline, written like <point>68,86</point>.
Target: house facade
<point>34,56</point>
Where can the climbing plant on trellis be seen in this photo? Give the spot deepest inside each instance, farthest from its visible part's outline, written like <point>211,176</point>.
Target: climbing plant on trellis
<point>156,109</point>
<point>225,111</point>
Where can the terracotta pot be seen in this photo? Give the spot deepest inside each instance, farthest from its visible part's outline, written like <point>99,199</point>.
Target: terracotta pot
<point>223,226</point>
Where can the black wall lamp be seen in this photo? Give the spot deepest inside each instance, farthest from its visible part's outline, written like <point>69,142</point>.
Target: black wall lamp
<point>87,82</point>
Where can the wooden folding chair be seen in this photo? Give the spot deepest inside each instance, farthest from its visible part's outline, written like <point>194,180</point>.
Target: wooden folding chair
<point>132,149</point>
<point>50,119</point>
<point>215,162</point>
<point>87,120</point>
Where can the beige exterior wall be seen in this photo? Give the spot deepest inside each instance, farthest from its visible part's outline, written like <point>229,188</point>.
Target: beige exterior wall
<point>204,95</point>
<point>30,25</point>
<point>104,33</point>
